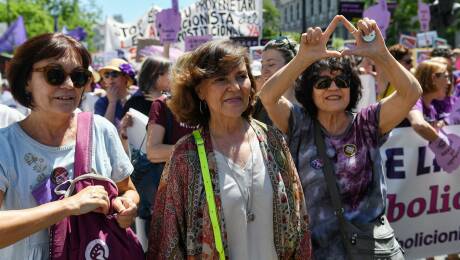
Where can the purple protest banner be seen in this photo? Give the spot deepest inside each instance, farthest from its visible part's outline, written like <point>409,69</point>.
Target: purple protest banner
<point>447,151</point>
<point>192,42</point>
<point>175,5</point>
<point>424,16</point>
<point>168,25</point>
<point>380,14</point>
<point>14,36</point>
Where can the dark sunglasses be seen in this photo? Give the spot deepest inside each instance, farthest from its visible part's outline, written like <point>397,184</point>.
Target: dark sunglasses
<point>284,41</point>
<point>111,74</point>
<point>55,75</point>
<point>325,82</point>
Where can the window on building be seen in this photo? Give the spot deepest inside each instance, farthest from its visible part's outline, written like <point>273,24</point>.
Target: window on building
<point>320,9</point>
<point>292,12</point>
<point>298,11</point>
<point>312,11</point>
<point>286,14</point>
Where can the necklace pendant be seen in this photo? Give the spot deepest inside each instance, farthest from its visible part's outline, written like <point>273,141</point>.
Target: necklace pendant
<point>250,216</point>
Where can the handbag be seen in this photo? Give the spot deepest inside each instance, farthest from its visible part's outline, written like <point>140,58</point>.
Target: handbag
<point>362,241</point>
<point>146,175</point>
<point>92,235</point>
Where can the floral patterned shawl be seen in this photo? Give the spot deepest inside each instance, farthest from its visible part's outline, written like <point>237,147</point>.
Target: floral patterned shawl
<point>181,226</point>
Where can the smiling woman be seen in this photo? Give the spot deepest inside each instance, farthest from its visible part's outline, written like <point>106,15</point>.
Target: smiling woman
<point>48,74</point>
<point>253,177</point>
<point>328,90</point>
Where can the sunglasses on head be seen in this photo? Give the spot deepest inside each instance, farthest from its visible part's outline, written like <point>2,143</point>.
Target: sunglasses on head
<point>325,82</point>
<point>283,40</point>
<point>55,75</point>
<point>111,74</point>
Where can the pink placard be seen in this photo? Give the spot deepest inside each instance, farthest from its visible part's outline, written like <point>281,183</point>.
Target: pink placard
<point>424,16</point>
<point>168,25</point>
<point>192,42</point>
<point>380,14</point>
<point>446,151</point>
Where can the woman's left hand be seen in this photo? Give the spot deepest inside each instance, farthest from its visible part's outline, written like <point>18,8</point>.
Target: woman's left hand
<point>126,209</point>
<point>372,49</point>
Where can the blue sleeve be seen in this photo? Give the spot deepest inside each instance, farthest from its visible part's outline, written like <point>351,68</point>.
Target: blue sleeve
<point>4,183</point>
<point>121,165</point>
<point>101,106</point>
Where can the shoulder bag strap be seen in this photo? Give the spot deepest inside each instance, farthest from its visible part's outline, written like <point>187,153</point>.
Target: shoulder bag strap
<point>331,182</point>
<point>209,194</point>
<point>83,146</point>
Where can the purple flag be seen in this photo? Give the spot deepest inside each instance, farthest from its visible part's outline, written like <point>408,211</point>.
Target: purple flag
<point>14,36</point>
<point>78,33</point>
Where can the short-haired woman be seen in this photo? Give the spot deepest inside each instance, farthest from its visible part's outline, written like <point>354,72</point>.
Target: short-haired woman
<point>48,74</point>
<point>257,192</point>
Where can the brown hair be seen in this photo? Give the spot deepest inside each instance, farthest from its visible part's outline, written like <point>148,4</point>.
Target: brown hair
<point>424,73</point>
<point>36,49</point>
<point>212,59</point>
<point>398,51</point>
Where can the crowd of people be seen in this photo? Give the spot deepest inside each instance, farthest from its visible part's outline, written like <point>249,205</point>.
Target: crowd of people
<point>260,187</point>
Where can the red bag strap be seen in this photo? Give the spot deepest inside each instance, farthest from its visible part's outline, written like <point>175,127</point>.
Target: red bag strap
<point>84,144</point>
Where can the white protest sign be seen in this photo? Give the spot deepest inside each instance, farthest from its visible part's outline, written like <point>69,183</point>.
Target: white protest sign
<point>222,18</point>
<point>136,133</point>
<point>426,38</point>
<point>423,201</point>
<point>125,35</point>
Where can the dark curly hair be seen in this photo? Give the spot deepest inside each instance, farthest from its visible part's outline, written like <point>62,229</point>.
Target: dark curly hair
<point>212,59</point>
<point>304,87</point>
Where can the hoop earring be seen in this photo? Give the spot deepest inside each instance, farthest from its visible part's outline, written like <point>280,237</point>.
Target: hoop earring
<point>204,105</point>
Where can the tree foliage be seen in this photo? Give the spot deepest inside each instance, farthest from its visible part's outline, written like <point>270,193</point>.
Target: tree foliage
<point>38,19</point>
<point>271,15</point>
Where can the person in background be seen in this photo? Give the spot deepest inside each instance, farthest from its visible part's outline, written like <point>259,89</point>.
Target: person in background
<point>92,92</point>
<point>117,77</point>
<point>328,90</point>
<point>49,73</point>
<point>404,56</point>
<point>275,55</point>
<point>153,82</point>
<point>9,115</point>
<point>213,87</point>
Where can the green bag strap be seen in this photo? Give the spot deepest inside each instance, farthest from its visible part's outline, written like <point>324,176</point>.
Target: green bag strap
<point>209,194</point>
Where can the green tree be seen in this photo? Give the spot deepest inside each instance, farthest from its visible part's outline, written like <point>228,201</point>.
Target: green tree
<point>38,19</point>
<point>271,15</point>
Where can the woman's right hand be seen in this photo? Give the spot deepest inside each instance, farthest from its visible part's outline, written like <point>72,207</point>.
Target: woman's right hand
<point>91,198</point>
<point>313,43</point>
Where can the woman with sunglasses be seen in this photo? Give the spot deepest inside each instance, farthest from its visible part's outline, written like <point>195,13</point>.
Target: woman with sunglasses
<point>117,76</point>
<point>328,90</point>
<point>48,74</point>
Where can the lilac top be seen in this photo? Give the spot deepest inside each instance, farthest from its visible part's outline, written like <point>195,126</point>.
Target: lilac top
<point>430,114</point>
<point>358,170</point>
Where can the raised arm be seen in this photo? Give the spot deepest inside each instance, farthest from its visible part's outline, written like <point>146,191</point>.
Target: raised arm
<point>312,48</point>
<point>395,107</point>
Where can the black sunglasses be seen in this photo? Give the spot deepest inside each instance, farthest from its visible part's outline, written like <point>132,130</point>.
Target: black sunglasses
<point>283,40</point>
<point>56,75</point>
<point>111,74</point>
<point>325,82</point>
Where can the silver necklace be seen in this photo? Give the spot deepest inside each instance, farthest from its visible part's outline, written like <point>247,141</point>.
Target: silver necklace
<point>250,215</point>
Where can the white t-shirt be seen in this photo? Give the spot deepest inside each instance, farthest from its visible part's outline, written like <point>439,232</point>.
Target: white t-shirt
<point>9,115</point>
<point>24,163</point>
<point>247,240</point>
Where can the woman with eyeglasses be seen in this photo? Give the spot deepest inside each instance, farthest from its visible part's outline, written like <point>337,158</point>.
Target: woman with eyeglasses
<point>328,90</point>
<point>275,55</point>
<point>426,118</point>
<point>117,77</point>
<point>48,74</point>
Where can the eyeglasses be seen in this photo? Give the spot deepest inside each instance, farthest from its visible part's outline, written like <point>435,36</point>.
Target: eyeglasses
<point>325,82</point>
<point>283,40</point>
<point>56,75</point>
<point>442,74</point>
<point>111,74</point>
